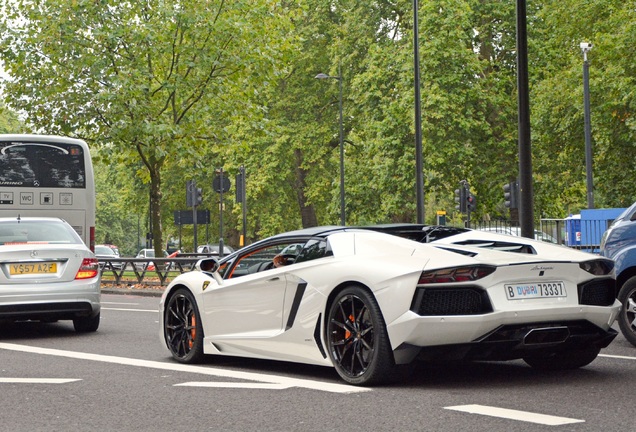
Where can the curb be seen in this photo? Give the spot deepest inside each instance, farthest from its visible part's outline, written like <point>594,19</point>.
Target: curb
<point>133,290</point>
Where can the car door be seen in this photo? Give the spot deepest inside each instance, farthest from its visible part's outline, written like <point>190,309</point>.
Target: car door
<point>250,302</point>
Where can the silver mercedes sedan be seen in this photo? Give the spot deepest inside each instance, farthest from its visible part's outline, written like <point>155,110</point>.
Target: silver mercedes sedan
<point>47,273</point>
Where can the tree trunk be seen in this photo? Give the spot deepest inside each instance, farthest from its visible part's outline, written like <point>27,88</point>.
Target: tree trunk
<point>155,210</point>
<point>307,211</point>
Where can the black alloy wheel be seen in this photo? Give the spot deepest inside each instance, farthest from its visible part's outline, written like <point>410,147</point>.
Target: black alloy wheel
<point>357,339</point>
<point>182,327</point>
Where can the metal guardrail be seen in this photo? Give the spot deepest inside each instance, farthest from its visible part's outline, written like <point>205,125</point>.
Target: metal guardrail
<point>122,270</point>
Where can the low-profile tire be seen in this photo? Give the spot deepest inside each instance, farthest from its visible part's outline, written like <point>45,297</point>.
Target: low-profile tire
<point>182,327</point>
<point>357,339</point>
<point>627,316</point>
<point>564,360</point>
<point>86,324</point>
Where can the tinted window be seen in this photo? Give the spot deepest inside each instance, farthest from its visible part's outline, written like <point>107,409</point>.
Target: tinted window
<point>42,165</point>
<point>259,260</point>
<point>314,249</point>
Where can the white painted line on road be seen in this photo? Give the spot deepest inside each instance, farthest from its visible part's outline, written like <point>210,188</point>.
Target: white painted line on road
<point>120,303</point>
<point>131,310</point>
<point>234,385</point>
<point>37,380</point>
<point>617,357</point>
<point>525,416</point>
<point>178,367</point>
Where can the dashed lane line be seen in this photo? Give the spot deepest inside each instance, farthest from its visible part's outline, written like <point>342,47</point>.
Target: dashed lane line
<point>131,310</point>
<point>37,380</point>
<point>524,416</point>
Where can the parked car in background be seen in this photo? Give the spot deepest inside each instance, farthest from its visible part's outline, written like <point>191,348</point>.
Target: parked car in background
<point>365,302</point>
<point>114,248</point>
<point>214,249</point>
<point>104,253</point>
<point>619,244</point>
<point>47,273</point>
<point>147,253</point>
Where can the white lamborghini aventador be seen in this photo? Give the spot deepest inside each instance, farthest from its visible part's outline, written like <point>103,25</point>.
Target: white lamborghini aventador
<point>366,300</point>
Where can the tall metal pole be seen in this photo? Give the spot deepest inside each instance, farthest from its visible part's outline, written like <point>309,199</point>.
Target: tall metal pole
<point>526,211</point>
<point>221,245</point>
<point>195,235</point>
<point>419,165</point>
<point>342,173</point>
<point>585,47</point>
<point>244,205</point>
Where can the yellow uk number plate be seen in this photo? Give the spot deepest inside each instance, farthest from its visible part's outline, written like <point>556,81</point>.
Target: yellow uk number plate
<point>33,268</point>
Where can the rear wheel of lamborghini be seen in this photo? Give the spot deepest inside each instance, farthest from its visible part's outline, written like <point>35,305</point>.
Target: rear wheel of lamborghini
<point>182,328</point>
<point>571,359</point>
<point>357,340</point>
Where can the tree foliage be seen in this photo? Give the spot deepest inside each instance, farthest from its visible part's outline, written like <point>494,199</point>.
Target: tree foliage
<point>146,82</point>
<point>168,91</point>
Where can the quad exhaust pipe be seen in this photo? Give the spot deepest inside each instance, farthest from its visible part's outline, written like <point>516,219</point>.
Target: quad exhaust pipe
<point>546,335</point>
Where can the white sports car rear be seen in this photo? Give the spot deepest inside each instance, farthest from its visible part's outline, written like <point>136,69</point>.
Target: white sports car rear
<point>366,302</point>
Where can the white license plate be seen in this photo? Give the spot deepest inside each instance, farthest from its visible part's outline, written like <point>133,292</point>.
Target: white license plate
<point>35,268</point>
<point>535,290</point>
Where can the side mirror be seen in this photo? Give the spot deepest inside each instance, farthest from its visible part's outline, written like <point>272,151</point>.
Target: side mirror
<point>208,265</point>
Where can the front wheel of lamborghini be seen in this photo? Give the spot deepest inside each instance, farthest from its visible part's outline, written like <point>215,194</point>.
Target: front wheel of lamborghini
<point>357,339</point>
<point>182,327</point>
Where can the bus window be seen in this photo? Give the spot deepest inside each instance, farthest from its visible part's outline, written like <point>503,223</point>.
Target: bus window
<point>48,176</point>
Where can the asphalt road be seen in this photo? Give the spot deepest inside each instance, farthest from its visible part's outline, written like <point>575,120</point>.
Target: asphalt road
<point>122,379</point>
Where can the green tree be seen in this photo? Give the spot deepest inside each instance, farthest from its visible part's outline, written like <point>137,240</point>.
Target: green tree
<point>147,81</point>
<point>558,110</point>
<point>9,121</point>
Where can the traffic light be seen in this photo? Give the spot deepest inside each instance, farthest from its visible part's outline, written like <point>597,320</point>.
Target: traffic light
<point>511,194</point>
<point>189,188</point>
<point>471,202</point>
<point>198,199</point>
<point>461,198</point>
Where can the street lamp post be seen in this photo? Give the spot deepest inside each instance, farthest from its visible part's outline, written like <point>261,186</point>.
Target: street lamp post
<point>342,178</point>
<point>419,159</point>
<point>585,48</point>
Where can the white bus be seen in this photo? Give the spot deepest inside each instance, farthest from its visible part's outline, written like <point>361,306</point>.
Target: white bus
<point>44,175</point>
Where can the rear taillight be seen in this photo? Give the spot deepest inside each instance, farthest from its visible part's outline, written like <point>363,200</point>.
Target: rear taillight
<point>599,267</point>
<point>88,269</point>
<point>455,274</point>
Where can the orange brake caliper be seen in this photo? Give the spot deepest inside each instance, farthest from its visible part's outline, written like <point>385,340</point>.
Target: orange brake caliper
<point>193,330</point>
<point>347,332</point>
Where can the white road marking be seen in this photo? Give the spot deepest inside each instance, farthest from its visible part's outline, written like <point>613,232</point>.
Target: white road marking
<point>131,310</point>
<point>525,416</point>
<point>119,303</point>
<point>37,380</point>
<point>234,385</point>
<point>178,367</point>
<point>617,357</point>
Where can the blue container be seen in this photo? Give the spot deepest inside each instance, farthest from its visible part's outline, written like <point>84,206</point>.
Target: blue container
<point>594,222</point>
<point>573,230</point>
